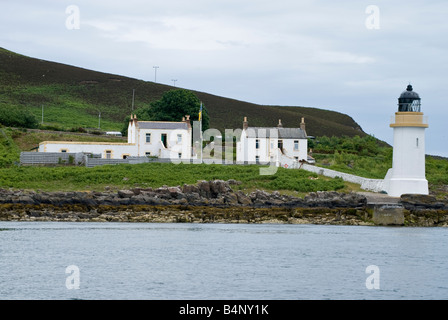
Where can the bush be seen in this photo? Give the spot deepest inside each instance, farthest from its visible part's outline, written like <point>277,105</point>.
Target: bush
<point>12,116</point>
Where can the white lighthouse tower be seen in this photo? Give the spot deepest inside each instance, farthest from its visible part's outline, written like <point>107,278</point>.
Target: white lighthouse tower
<point>407,174</point>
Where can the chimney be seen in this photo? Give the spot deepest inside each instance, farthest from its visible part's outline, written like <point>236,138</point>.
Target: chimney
<point>280,123</point>
<point>245,124</point>
<point>302,125</point>
<point>187,120</point>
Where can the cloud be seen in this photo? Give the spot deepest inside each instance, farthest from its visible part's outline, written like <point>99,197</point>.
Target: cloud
<point>286,52</point>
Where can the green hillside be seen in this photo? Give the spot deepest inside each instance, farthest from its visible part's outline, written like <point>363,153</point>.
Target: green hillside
<point>72,97</point>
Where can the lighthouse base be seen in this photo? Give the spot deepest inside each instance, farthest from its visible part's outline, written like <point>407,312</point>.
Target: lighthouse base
<point>396,186</point>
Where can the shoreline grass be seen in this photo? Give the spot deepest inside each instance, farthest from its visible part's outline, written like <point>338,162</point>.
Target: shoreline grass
<point>155,175</point>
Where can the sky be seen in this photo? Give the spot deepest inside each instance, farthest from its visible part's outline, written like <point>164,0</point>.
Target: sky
<point>354,57</point>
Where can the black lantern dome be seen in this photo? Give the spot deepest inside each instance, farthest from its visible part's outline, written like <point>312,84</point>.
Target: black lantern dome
<point>409,101</point>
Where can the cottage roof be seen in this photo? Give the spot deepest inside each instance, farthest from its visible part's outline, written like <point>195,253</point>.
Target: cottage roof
<point>162,125</point>
<point>281,133</point>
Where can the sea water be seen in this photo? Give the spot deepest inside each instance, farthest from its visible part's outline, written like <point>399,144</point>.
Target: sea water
<point>161,261</point>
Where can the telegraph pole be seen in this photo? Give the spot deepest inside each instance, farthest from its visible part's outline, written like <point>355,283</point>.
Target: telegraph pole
<point>174,81</point>
<point>133,93</point>
<point>155,73</point>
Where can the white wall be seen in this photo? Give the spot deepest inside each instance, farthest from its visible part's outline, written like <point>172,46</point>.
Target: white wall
<point>408,155</point>
<point>156,147</point>
<point>375,185</point>
<point>118,150</point>
<point>136,146</point>
<point>268,149</point>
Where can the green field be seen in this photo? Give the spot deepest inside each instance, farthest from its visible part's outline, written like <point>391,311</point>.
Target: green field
<point>158,174</point>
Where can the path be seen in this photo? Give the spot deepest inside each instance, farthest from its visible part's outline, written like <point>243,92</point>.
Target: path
<point>379,198</point>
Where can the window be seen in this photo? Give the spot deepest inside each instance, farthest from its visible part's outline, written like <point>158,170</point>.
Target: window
<point>148,138</point>
<point>179,138</point>
<point>296,144</point>
<point>257,144</point>
<point>257,159</point>
<point>125,156</point>
<point>108,154</point>
<point>296,158</point>
<point>64,150</point>
<point>148,154</point>
<point>416,143</point>
<point>179,155</point>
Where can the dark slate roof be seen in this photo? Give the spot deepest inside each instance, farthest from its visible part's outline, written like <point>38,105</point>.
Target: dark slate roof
<point>282,133</point>
<point>162,125</point>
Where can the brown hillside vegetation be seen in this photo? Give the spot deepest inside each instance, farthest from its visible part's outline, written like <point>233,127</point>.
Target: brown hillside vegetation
<point>29,82</point>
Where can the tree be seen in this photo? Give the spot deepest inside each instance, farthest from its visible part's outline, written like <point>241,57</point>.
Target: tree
<point>13,116</point>
<point>172,106</point>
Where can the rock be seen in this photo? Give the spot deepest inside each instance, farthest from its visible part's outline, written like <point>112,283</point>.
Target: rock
<point>24,199</point>
<point>136,191</point>
<point>204,189</point>
<point>243,198</point>
<point>188,188</point>
<point>231,199</point>
<point>175,193</point>
<point>125,193</point>
<point>421,202</point>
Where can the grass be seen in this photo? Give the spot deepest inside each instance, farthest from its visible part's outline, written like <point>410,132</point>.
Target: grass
<point>158,174</point>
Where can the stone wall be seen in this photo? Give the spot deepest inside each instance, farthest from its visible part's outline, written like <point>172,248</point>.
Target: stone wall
<point>375,185</point>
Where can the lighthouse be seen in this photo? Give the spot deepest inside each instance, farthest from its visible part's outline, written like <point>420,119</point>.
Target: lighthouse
<point>407,174</point>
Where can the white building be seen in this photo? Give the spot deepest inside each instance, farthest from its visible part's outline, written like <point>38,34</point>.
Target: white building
<point>283,146</point>
<point>160,139</point>
<point>407,174</point>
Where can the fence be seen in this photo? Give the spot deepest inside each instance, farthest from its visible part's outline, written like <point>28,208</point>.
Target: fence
<point>51,158</point>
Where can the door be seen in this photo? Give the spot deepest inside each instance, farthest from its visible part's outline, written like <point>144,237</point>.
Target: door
<point>164,140</point>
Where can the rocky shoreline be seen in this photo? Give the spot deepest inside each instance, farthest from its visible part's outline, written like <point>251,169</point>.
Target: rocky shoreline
<point>210,202</point>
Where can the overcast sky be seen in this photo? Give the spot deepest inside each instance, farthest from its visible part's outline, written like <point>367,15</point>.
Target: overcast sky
<point>340,55</point>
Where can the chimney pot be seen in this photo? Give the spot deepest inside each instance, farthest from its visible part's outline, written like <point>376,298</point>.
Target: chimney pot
<point>302,124</point>
<point>245,123</point>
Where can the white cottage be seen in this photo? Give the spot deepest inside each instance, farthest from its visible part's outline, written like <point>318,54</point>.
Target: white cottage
<point>283,146</point>
<point>160,139</point>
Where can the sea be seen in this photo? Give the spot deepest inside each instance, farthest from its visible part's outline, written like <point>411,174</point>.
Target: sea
<point>183,261</point>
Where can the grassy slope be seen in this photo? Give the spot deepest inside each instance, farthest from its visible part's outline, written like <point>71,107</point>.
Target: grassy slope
<point>73,97</point>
